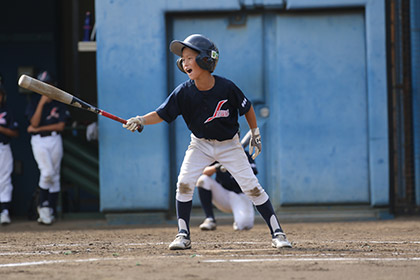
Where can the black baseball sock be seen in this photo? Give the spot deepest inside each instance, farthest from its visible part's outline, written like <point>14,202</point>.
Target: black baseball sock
<point>183,212</point>
<point>52,201</point>
<point>206,204</point>
<point>5,206</point>
<point>267,212</point>
<point>43,198</point>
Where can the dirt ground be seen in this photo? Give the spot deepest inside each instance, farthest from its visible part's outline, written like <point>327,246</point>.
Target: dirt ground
<point>91,249</point>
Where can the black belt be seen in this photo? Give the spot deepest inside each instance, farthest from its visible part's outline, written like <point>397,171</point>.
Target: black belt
<point>47,133</point>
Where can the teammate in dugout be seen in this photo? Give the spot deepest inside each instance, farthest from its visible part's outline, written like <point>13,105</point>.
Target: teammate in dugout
<point>210,105</point>
<point>47,120</point>
<point>8,129</point>
<point>224,192</point>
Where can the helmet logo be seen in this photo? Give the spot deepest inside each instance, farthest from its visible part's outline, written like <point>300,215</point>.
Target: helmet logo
<point>214,55</point>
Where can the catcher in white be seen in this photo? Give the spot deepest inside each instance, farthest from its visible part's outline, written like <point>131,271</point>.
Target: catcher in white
<point>210,106</point>
<point>224,192</point>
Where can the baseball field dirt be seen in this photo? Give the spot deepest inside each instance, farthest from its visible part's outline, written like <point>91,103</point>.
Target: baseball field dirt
<point>92,249</point>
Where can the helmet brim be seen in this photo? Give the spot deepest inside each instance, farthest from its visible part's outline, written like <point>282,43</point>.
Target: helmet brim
<point>176,47</point>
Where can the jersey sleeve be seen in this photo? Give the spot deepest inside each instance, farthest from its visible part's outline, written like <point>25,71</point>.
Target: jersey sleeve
<point>31,107</point>
<point>241,102</point>
<point>64,112</point>
<point>169,110</point>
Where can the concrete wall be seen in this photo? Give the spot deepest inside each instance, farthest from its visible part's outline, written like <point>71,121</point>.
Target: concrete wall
<point>134,77</point>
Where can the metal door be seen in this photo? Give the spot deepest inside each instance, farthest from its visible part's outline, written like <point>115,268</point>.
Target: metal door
<point>321,109</point>
<point>306,75</point>
<point>240,43</point>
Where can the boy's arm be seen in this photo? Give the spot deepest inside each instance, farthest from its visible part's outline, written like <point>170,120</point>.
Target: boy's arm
<point>9,132</point>
<point>36,118</point>
<point>152,118</point>
<point>139,121</point>
<point>50,127</point>
<point>251,118</point>
<point>255,141</point>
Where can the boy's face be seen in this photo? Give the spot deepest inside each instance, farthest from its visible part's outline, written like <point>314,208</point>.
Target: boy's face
<point>190,65</point>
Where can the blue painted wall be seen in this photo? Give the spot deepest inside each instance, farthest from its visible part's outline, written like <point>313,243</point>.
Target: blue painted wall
<point>132,60</point>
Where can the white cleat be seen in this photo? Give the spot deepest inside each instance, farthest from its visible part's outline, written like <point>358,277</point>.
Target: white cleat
<point>45,216</point>
<point>4,218</point>
<point>280,241</point>
<point>208,224</point>
<point>236,228</point>
<point>181,242</point>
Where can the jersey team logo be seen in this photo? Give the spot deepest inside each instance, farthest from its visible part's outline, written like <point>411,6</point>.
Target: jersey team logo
<point>54,113</point>
<point>218,113</point>
<point>3,118</point>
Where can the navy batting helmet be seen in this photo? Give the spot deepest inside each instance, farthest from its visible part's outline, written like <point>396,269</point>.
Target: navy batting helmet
<point>208,54</point>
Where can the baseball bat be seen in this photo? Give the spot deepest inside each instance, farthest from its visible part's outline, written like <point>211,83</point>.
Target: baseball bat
<point>245,139</point>
<point>64,97</point>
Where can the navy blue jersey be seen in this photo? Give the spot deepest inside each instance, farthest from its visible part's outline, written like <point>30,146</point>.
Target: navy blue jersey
<point>211,114</point>
<point>228,182</point>
<point>6,120</point>
<point>52,113</point>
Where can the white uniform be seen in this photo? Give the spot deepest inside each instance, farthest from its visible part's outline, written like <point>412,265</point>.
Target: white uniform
<point>48,152</point>
<point>230,202</point>
<point>47,147</point>
<point>230,154</point>
<point>6,169</point>
<point>6,164</point>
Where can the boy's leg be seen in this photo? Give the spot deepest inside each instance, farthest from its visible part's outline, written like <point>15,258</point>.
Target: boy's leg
<point>267,212</point>
<point>183,212</point>
<point>4,213</point>
<point>279,239</point>
<point>43,198</point>
<point>195,161</point>
<point>6,187</point>
<point>44,210</point>
<point>236,162</point>
<point>52,201</point>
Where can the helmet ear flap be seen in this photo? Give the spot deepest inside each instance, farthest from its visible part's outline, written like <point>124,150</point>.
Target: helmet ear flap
<point>206,62</point>
<point>179,64</point>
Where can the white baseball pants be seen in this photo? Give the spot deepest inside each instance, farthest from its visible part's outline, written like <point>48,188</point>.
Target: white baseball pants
<point>6,169</point>
<point>48,152</point>
<point>230,202</point>
<point>230,154</point>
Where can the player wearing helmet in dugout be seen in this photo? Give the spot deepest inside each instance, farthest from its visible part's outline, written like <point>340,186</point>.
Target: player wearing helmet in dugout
<point>47,119</point>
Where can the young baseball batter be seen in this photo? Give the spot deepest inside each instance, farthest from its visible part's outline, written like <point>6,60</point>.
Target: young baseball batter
<point>210,106</point>
<point>47,119</point>
<point>224,192</point>
<point>8,129</point>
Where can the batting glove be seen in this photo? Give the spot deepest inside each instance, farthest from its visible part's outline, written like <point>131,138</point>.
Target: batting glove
<point>135,123</point>
<point>255,142</point>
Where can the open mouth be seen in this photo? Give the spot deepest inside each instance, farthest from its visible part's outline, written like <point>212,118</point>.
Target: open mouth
<point>188,71</point>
